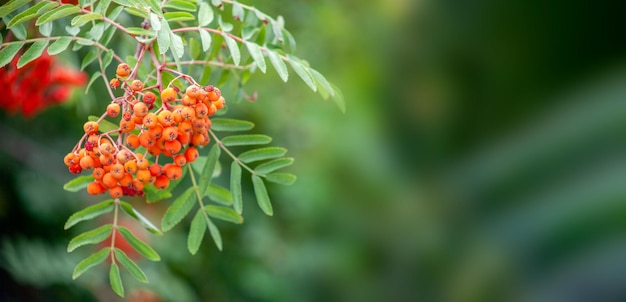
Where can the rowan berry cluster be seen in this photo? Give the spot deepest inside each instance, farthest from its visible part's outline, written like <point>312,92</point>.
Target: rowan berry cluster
<point>153,143</point>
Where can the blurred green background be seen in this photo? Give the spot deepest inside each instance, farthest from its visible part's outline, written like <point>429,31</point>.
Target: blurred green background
<point>482,157</point>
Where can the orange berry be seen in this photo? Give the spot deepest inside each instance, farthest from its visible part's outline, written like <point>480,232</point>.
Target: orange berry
<point>154,150</point>
<point>106,148</point>
<point>98,173</point>
<point>106,160</point>
<point>213,94</point>
<point>150,120</point>
<point>193,91</point>
<point>109,181</point>
<point>177,113</point>
<point>126,180</point>
<point>162,182</point>
<point>197,139</point>
<point>117,171</point>
<point>95,188</point>
<point>170,133</point>
<point>180,160</point>
<point>149,97</point>
<point>123,70</point>
<point>189,101</point>
<point>165,118</point>
<point>173,147</point>
<point>90,127</point>
<point>123,156</point>
<point>155,169</point>
<point>69,159</point>
<point>86,162</point>
<point>130,166</point>
<point>173,172</point>
<point>220,103</point>
<point>132,141</point>
<point>156,132</point>
<point>116,192</point>
<point>143,176</point>
<point>140,109</point>
<point>191,154</point>
<point>201,110</point>
<point>115,83</point>
<point>127,125</point>
<point>212,110</point>
<point>113,109</point>
<point>184,138</point>
<point>137,119</point>
<point>188,113</point>
<point>146,140</point>
<point>136,85</point>
<point>142,163</point>
<point>137,185</point>
<point>168,95</point>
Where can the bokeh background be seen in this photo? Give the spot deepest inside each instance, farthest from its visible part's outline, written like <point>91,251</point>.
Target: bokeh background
<point>482,157</point>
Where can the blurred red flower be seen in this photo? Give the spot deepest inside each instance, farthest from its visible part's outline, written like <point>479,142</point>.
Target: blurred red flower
<point>38,84</point>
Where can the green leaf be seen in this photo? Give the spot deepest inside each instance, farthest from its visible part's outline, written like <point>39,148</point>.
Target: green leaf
<point>33,52</point>
<point>217,3</point>
<point>59,45</point>
<point>225,26</point>
<point>164,37</point>
<point>141,13</point>
<point>96,31</point>
<point>102,6</point>
<point>130,265</point>
<point>233,48</point>
<point>322,81</point>
<point>262,154</point>
<point>285,179</point>
<point>178,49</point>
<point>235,187</point>
<point>78,183</point>
<point>246,139</point>
<point>257,55</point>
<point>338,98</point>
<point>205,14</point>
<point>142,219</point>
<point>223,213</point>
<point>140,31</point>
<point>90,262</point>
<point>224,124</point>
<point>302,72</point>
<point>215,234</point>
<point>178,16</point>
<point>8,53</point>
<point>90,212</point>
<point>209,167</point>
<point>103,125</point>
<point>196,232</point>
<point>94,236</point>
<point>178,210</point>
<point>93,78</point>
<point>46,29</point>
<point>116,280</point>
<point>205,37</point>
<point>72,30</point>
<point>154,195</point>
<point>238,13</point>
<point>194,49</point>
<point>31,13</point>
<point>90,57</point>
<point>219,194</point>
<point>180,5</point>
<point>273,165</point>
<point>278,64</point>
<point>11,6</point>
<point>140,246</point>
<point>261,195</point>
<point>57,13</point>
<point>107,58</point>
<point>82,19</point>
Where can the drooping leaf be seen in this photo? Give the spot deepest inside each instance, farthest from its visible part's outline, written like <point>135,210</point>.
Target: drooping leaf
<point>219,194</point>
<point>94,236</point>
<point>233,48</point>
<point>78,183</point>
<point>59,45</point>
<point>277,28</point>
<point>273,165</point>
<point>82,19</point>
<point>215,233</point>
<point>278,64</point>
<point>164,37</point>
<point>140,246</point>
<point>224,124</point>
<point>322,81</point>
<point>181,5</point>
<point>11,6</point>
<point>31,13</point>
<point>57,13</point>
<point>224,213</point>
<point>178,210</point>
<point>130,265</point>
<point>196,232</point>
<point>235,187</point>
<point>92,80</point>
<point>205,14</point>
<point>89,57</point>
<point>262,197</point>
<point>33,52</point>
<point>178,16</point>
<point>257,55</point>
<point>262,154</point>
<point>209,167</point>
<point>102,6</point>
<point>139,217</point>
<point>224,26</point>
<point>90,212</point>
<point>107,58</point>
<point>281,178</point>
<point>205,37</point>
<point>177,47</point>
<point>8,53</point>
<point>116,280</point>
<point>302,72</point>
<point>90,262</point>
<point>338,98</point>
<point>246,139</point>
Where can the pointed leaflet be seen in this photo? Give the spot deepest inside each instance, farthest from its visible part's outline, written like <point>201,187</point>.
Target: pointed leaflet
<point>11,6</point>
<point>178,210</point>
<point>235,187</point>
<point>224,124</point>
<point>33,52</point>
<point>31,13</point>
<point>90,212</point>
<point>205,37</point>
<point>215,233</point>
<point>59,45</point>
<point>219,194</point>
<point>46,29</point>
<point>116,280</point>
<point>223,213</point>
<point>262,154</point>
<point>205,14</point>
<point>233,48</point>
<point>285,179</point>
<point>139,245</point>
<point>181,5</point>
<point>196,232</point>
<point>8,53</point>
<point>302,72</point>
<point>322,81</point>
<point>90,57</point>
<point>90,262</point>
<point>143,220</point>
<point>279,65</point>
<point>261,195</point>
<point>57,13</point>
<point>273,165</point>
<point>94,236</point>
<point>338,98</point>
<point>257,55</point>
<point>246,139</point>
<point>78,183</point>
<point>82,19</point>
<point>130,265</point>
<point>93,78</point>
<point>238,13</point>
<point>209,166</point>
